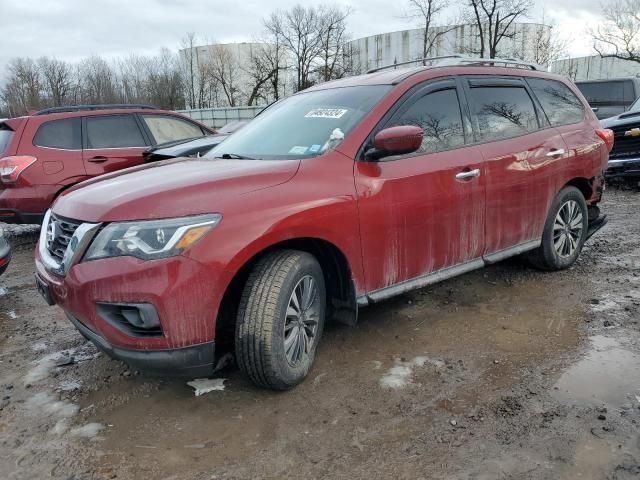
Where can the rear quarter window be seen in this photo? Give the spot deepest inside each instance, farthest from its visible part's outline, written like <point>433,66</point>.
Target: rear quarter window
<point>6,134</point>
<point>559,103</point>
<point>63,134</point>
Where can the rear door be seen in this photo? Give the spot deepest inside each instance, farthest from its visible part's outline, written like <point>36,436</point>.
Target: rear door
<point>424,211</point>
<point>112,142</point>
<point>522,154</point>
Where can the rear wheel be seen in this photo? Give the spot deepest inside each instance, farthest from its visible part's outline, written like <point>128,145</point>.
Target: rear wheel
<point>280,319</point>
<point>565,231</point>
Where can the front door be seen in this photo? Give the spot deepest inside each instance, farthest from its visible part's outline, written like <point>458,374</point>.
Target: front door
<point>112,142</point>
<point>422,212</point>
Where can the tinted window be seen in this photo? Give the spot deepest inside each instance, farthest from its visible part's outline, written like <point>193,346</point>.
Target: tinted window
<point>64,134</point>
<point>5,137</point>
<point>503,112</point>
<point>438,114</point>
<point>167,129</point>
<point>616,92</point>
<point>558,101</point>
<point>113,131</point>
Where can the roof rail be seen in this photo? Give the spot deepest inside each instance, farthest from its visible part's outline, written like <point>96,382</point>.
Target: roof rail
<point>449,60</point>
<point>108,106</point>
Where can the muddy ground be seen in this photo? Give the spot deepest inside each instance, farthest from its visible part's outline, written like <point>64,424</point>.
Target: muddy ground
<point>506,372</point>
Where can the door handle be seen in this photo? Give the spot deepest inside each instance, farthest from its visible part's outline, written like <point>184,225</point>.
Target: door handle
<point>556,153</point>
<point>468,174</point>
<point>98,159</point>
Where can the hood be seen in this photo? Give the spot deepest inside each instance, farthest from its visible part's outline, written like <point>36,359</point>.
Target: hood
<point>620,120</point>
<point>172,188</point>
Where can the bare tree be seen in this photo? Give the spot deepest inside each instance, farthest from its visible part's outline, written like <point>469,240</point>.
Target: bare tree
<point>494,20</point>
<point>22,91</point>
<point>98,81</point>
<point>619,34</point>
<point>224,69</point>
<point>427,12</point>
<point>57,80</point>
<point>547,45</point>
<point>299,29</point>
<point>332,30</point>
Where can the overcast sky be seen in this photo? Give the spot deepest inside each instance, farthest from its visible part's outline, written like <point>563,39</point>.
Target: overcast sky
<point>72,29</point>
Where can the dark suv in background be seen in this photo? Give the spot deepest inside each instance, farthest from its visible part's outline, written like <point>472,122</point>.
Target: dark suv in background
<point>43,154</point>
<point>610,97</point>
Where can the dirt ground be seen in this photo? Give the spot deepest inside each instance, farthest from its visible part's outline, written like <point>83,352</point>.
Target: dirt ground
<point>506,372</point>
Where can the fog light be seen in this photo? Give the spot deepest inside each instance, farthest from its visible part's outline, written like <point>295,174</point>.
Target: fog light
<point>134,319</point>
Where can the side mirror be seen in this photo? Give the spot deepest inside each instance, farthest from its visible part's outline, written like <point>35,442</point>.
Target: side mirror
<point>395,141</point>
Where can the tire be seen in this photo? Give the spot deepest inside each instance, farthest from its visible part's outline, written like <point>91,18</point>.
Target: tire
<point>265,351</point>
<point>554,253</point>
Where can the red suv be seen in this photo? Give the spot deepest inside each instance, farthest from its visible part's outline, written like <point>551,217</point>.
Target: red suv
<point>43,154</point>
<point>335,198</point>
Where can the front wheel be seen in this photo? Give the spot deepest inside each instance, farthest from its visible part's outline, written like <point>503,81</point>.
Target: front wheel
<point>565,231</point>
<point>280,319</point>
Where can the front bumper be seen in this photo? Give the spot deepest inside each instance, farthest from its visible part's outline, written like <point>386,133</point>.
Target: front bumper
<point>623,168</point>
<point>193,361</point>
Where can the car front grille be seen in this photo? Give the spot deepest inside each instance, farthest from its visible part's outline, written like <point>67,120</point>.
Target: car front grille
<point>58,236</point>
<point>625,146</point>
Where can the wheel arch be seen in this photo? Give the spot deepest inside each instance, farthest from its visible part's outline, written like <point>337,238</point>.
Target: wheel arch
<point>583,184</point>
<point>341,291</point>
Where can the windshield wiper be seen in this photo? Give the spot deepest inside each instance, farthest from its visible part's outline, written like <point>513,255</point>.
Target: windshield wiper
<point>234,156</point>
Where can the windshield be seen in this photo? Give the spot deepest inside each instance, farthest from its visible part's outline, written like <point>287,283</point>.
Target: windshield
<point>303,125</point>
<point>635,106</point>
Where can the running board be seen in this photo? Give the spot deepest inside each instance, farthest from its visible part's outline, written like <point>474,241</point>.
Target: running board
<point>445,273</point>
<point>596,225</point>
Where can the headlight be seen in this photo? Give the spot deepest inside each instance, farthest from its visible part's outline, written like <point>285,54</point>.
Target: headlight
<point>150,239</point>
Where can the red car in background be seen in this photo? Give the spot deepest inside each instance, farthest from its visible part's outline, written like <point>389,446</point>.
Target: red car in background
<point>335,198</point>
<point>45,153</point>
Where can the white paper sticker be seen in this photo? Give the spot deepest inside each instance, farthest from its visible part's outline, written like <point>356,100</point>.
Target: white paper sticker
<point>298,150</point>
<point>326,113</point>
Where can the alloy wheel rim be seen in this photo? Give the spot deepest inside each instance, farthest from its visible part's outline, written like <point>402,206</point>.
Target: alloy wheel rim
<point>567,229</point>
<point>301,320</point>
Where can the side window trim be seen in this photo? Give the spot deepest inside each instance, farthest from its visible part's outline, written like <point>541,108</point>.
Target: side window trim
<point>414,93</point>
<point>469,82</point>
<point>85,139</point>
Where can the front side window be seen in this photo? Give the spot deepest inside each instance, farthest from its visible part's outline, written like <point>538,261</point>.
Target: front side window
<point>168,129</point>
<point>304,125</point>
<point>438,114</point>
<point>559,103</point>
<point>503,112</point>
<point>63,134</point>
<point>113,131</point>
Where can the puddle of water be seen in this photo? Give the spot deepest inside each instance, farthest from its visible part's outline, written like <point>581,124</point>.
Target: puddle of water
<point>608,374</point>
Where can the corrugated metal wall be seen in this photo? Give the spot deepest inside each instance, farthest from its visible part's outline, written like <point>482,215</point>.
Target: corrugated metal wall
<point>219,117</point>
<point>595,68</point>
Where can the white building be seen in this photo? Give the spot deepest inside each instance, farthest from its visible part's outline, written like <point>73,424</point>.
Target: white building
<point>595,68</point>
<point>407,45</point>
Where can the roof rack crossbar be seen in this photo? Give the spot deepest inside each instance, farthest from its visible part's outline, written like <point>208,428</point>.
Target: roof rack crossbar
<point>452,60</point>
<point>110,106</point>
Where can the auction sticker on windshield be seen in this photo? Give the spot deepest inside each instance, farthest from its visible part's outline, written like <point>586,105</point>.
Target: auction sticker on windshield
<point>326,113</point>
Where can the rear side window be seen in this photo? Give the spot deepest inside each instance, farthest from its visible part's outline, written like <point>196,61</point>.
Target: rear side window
<point>168,129</point>
<point>63,134</point>
<point>559,103</point>
<point>6,135</point>
<point>113,131</point>
<point>503,112</point>
<point>438,114</point>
